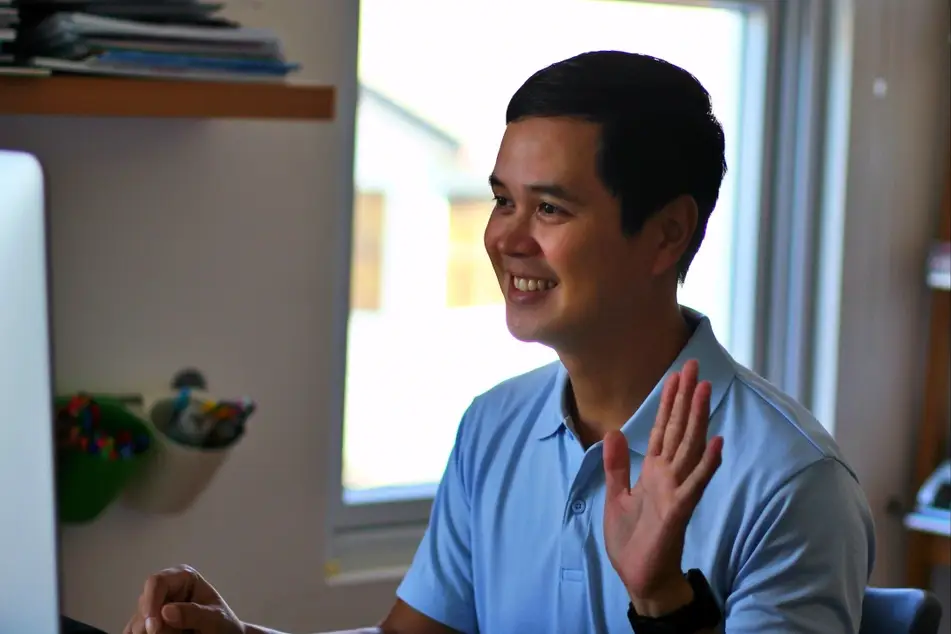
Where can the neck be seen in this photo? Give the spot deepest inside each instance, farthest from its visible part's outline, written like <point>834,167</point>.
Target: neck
<point>613,375</point>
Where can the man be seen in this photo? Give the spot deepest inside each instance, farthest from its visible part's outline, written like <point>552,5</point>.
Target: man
<point>607,174</point>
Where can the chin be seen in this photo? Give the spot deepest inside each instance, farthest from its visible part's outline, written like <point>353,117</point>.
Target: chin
<point>529,332</point>
<point>524,337</point>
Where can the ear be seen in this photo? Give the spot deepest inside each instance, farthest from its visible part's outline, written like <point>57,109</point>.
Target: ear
<point>673,228</point>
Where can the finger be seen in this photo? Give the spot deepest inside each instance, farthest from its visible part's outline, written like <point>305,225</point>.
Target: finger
<point>617,464</point>
<point>154,625</point>
<point>165,628</point>
<point>192,616</point>
<point>696,483</point>
<point>695,436</point>
<point>678,415</point>
<point>153,596</point>
<point>172,584</point>
<point>135,626</point>
<point>667,396</point>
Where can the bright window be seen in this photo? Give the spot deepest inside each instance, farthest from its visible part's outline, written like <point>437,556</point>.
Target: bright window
<point>427,330</point>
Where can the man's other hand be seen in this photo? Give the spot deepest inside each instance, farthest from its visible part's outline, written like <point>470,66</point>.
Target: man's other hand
<point>180,600</point>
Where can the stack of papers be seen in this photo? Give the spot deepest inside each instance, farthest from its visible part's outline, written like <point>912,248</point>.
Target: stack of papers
<point>181,39</point>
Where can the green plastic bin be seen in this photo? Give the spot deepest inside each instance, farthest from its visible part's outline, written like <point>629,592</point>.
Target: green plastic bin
<point>87,484</point>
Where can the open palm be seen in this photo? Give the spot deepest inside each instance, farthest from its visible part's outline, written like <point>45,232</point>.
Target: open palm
<point>645,525</point>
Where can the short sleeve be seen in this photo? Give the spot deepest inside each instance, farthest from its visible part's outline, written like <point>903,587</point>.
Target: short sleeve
<point>806,559</point>
<point>439,581</point>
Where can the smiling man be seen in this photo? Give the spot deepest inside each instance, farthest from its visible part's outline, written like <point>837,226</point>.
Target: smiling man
<point>646,480</point>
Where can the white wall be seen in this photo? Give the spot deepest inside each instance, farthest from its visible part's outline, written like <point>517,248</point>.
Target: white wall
<point>897,165</point>
<point>898,162</point>
<point>147,216</point>
<point>213,244</point>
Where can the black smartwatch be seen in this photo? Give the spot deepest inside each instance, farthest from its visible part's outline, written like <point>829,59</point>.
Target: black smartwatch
<point>703,613</point>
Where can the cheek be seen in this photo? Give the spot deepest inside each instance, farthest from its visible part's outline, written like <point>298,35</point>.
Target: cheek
<point>567,256</point>
<point>589,267</point>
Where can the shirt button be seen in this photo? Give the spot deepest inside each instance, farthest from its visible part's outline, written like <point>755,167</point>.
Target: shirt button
<point>578,506</point>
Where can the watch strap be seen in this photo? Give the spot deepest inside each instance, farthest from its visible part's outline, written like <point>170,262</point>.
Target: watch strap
<point>703,613</point>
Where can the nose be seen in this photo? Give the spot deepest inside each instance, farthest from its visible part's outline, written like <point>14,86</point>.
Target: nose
<point>511,235</point>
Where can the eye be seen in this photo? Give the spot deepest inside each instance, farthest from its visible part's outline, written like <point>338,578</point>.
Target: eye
<point>548,209</point>
<point>501,201</point>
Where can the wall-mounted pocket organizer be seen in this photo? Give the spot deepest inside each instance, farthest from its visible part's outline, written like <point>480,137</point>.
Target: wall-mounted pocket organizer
<point>101,445</point>
<point>193,435</point>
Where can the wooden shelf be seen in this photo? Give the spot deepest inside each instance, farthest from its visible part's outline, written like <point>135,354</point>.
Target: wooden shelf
<point>929,546</point>
<point>112,97</point>
<point>927,551</point>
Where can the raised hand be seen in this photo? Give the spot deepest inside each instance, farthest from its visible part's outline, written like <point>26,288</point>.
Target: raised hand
<point>180,600</point>
<point>645,525</point>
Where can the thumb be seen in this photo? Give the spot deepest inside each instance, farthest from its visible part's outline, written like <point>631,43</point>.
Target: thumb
<point>617,464</point>
<point>203,619</point>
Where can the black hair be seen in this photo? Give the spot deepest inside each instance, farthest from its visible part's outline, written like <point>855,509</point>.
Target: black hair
<point>659,136</point>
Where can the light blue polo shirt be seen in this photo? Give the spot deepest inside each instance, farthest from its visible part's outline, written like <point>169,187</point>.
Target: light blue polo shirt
<point>515,540</point>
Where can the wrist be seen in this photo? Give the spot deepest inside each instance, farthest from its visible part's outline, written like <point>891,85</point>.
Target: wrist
<point>665,599</point>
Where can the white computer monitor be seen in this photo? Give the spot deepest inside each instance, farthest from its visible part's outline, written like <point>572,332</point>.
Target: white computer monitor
<point>29,549</point>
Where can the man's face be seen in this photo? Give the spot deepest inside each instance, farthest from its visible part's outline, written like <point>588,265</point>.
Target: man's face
<point>554,238</point>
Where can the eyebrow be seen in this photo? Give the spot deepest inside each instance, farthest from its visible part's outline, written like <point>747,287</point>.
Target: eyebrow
<point>551,189</point>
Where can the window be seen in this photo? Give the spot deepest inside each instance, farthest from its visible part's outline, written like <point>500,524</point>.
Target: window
<point>471,280</point>
<point>366,271</point>
<point>426,331</point>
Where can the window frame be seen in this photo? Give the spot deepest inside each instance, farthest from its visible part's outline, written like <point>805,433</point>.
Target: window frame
<point>780,174</point>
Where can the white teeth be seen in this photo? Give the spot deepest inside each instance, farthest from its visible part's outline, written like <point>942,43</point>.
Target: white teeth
<point>528,284</point>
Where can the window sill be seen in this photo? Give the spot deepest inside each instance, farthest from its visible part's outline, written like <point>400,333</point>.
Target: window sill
<point>392,574</point>
<point>360,556</point>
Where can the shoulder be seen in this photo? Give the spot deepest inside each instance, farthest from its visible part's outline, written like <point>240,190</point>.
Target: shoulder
<point>527,388</point>
<point>768,429</point>
<point>517,402</point>
<point>779,460</point>
<point>501,420</point>
<point>783,506</point>
<point>782,469</point>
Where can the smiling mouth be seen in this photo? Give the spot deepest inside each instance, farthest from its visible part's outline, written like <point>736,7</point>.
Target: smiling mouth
<point>532,284</point>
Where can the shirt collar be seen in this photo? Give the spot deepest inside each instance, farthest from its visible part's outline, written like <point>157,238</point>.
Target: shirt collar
<point>554,415</point>
<point>716,366</point>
